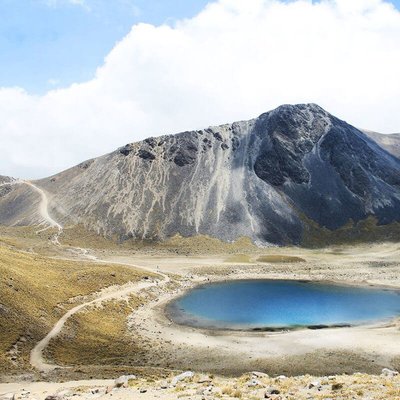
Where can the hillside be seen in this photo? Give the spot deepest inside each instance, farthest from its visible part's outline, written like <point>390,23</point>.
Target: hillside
<point>36,291</point>
<point>390,142</point>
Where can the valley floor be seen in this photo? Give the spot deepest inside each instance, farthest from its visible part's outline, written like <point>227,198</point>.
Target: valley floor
<point>130,334</point>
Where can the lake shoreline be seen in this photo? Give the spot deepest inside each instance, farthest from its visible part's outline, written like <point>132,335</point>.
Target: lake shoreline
<point>176,312</point>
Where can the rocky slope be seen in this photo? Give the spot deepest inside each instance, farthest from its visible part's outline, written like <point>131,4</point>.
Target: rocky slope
<point>390,142</point>
<point>266,179</point>
<point>254,385</point>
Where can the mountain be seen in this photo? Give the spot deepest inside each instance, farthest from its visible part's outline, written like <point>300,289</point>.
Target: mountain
<point>390,142</point>
<point>269,179</point>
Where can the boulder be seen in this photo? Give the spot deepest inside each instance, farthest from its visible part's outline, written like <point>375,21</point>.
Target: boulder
<point>123,381</point>
<point>315,385</point>
<point>8,396</point>
<point>181,377</point>
<point>389,373</point>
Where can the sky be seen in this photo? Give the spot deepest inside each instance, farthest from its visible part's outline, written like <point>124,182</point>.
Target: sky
<point>47,44</point>
<point>79,78</point>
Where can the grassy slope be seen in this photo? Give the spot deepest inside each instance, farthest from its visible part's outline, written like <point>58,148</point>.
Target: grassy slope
<point>34,294</point>
<point>97,336</point>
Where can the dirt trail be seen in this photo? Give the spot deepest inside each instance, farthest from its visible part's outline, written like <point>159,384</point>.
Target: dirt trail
<point>37,360</point>
<point>43,208</point>
<point>44,212</point>
<point>111,293</point>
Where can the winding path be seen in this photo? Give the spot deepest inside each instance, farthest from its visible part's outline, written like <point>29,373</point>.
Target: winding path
<point>44,212</point>
<point>36,359</point>
<point>111,293</point>
<point>43,208</point>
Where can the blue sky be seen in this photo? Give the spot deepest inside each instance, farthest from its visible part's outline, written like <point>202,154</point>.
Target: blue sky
<point>46,44</point>
<point>53,43</point>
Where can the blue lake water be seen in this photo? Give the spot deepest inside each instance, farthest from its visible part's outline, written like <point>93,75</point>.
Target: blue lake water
<point>253,304</point>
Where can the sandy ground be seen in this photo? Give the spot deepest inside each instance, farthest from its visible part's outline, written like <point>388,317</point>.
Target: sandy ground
<point>237,352</point>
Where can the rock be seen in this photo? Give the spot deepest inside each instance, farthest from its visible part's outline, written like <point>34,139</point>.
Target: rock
<point>126,150</point>
<point>314,384</point>
<point>389,373</point>
<point>204,379</point>
<point>109,389</point>
<point>254,382</point>
<point>337,386</point>
<point>207,391</point>
<point>123,380</point>
<point>181,377</point>
<point>199,391</point>
<point>271,390</point>
<point>185,156</point>
<point>146,155</point>
<point>164,385</point>
<point>224,146</point>
<point>259,374</point>
<point>8,396</point>
<point>53,397</point>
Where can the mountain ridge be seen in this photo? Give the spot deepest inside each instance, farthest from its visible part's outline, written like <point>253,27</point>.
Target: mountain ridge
<point>255,178</point>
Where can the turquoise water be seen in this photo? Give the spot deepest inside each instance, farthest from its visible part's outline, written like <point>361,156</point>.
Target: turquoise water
<point>260,304</point>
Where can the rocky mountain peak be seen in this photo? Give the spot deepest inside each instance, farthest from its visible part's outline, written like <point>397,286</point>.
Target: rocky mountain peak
<point>259,178</point>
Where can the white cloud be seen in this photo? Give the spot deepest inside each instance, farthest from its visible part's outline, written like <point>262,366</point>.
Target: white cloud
<point>235,60</point>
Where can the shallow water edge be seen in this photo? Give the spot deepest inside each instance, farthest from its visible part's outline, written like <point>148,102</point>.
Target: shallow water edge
<point>174,311</point>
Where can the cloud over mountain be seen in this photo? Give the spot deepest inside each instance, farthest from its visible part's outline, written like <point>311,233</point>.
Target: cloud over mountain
<point>234,60</point>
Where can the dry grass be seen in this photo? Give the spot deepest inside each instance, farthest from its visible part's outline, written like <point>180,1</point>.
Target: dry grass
<point>34,293</point>
<point>206,244</point>
<point>97,336</point>
<point>277,258</point>
<point>365,231</point>
<point>78,236</point>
